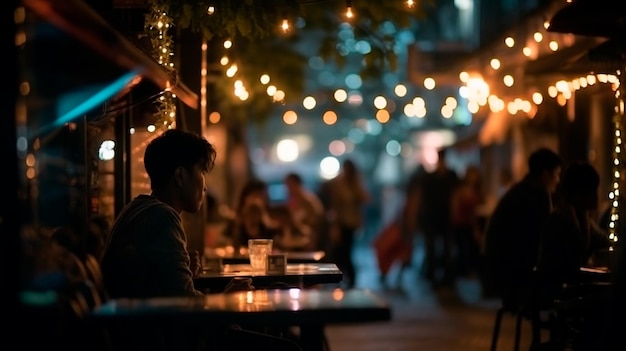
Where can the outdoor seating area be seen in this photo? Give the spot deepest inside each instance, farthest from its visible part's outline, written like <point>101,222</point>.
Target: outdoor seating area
<point>314,175</point>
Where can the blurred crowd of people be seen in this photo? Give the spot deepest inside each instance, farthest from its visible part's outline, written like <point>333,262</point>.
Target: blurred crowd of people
<point>307,220</point>
<point>528,250</point>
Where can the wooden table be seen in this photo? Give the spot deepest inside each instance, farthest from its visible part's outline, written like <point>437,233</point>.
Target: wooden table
<point>309,309</point>
<point>231,256</point>
<point>300,275</point>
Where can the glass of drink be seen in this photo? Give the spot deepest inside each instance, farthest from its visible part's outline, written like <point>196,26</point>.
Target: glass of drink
<point>258,249</point>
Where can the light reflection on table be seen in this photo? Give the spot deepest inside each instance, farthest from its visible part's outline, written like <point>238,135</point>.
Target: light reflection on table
<point>328,306</point>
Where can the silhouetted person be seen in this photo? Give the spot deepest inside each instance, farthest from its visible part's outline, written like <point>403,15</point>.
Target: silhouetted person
<point>146,253</point>
<point>348,196</point>
<point>306,208</point>
<point>429,199</point>
<point>513,230</point>
<point>466,200</point>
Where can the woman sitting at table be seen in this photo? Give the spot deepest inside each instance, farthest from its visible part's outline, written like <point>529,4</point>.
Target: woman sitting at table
<point>570,237</point>
<point>252,219</point>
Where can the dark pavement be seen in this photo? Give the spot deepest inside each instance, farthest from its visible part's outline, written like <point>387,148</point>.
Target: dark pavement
<point>456,319</point>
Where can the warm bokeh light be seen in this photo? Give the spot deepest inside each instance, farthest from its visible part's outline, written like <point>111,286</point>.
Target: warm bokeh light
<point>554,46</point>
<point>409,110</point>
<point>271,90</point>
<point>400,90</point>
<point>380,102</point>
<point>495,63</point>
<point>329,117</point>
<point>264,79</point>
<point>337,147</point>
<point>231,71</point>
<point>290,117</point>
<point>418,101</point>
<point>215,117</point>
<point>510,42</point>
<point>451,101</point>
<point>429,83</point>
<point>382,116</point>
<point>463,76</point>
<point>329,167</point>
<point>340,95</point>
<point>287,150</point>
<point>309,102</point>
<point>446,111</point>
<point>279,95</point>
<point>508,80</point>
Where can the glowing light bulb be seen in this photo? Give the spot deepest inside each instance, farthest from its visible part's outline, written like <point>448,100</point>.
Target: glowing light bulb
<point>285,25</point>
<point>349,13</point>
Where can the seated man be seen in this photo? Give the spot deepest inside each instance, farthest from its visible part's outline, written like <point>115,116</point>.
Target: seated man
<point>512,233</point>
<point>146,252</point>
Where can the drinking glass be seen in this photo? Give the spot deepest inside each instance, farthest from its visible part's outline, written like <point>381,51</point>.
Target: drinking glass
<point>258,249</point>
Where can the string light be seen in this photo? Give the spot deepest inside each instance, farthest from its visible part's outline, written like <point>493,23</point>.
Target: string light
<point>410,3</point>
<point>157,24</point>
<point>210,10</point>
<point>615,193</point>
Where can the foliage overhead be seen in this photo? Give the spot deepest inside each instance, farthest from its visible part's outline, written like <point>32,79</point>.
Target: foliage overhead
<point>260,46</point>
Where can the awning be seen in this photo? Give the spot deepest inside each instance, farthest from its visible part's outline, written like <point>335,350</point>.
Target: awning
<point>84,24</point>
<point>598,18</point>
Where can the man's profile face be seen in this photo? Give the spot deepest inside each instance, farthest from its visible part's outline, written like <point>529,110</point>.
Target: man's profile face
<point>193,188</point>
<point>552,179</point>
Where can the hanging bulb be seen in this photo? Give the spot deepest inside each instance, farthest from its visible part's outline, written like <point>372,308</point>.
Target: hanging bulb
<point>210,10</point>
<point>285,25</point>
<point>410,3</point>
<point>349,13</point>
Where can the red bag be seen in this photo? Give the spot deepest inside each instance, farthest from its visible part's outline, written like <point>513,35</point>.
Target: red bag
<point>390,246</point>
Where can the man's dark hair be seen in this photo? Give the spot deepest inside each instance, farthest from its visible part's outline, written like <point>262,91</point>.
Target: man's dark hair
<point>579,177</point>
<point>176,148</point>
<point>542,160</point>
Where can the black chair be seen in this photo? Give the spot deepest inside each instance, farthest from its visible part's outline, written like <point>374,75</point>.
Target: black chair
<point>525,304</point>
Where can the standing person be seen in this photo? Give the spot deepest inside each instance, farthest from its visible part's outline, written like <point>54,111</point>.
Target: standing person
<point>512,234</point>
<point>306,208</point>
<point>466,201</point>
<point>146,252</point>
<point>429,202</point>
<point>348,196</point>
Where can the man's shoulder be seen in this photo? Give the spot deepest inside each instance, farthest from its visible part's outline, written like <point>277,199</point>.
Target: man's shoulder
<point>149,206</point>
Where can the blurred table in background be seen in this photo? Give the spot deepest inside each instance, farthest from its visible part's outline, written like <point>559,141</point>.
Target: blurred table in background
<point>299,275</point>
<point>230,255</point>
